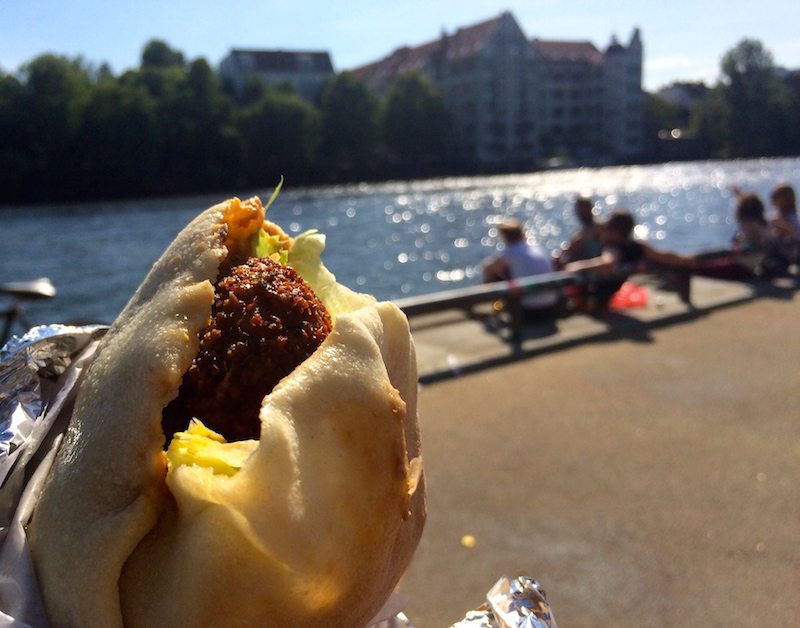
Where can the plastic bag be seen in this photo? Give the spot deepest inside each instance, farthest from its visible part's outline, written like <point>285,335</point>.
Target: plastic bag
<point>630,295</point>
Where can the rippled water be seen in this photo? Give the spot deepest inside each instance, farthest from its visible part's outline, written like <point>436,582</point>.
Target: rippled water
<point>391,239</point>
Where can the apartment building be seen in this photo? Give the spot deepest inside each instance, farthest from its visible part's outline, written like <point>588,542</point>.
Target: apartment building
<point>306,71</point>
<point>515,101</point>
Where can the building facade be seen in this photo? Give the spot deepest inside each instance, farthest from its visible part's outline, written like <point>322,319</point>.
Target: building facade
<point>623,102</point>
<point>306,72</point>
<point>516,101</point>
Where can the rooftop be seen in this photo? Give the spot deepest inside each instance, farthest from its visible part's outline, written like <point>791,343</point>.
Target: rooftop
<point>555,50</point>
<point>463,43</point>
<point>286,60</point>
<point>466,42</point>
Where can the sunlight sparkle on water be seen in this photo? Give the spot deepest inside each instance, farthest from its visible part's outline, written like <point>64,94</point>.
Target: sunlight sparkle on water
<point>390,239</point>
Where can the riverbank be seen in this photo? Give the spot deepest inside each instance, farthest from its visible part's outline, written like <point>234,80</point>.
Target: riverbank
<point>648,481</point>
<point>453,342</point>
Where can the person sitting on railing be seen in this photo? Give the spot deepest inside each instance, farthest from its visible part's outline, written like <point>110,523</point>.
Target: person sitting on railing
<point>519,259</point>
<point>763,248</point>
<point>621,256</point>
<point>753,232</point>
<point>784,201</point>
<point>585,243</point>
<point>786,224</point>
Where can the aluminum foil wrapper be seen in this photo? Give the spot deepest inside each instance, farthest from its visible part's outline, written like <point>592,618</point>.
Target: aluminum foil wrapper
<point>34,383</point>
<point>38,383</point>
<point>39,379</point>
<point>517,603</point>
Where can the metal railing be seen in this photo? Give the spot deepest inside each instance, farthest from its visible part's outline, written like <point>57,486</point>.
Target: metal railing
<point>512,292</point>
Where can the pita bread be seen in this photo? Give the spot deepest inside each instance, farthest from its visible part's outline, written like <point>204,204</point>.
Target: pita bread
<point>316,527</point>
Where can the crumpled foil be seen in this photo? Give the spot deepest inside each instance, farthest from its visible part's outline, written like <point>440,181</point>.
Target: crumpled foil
<point>38,377</point>
<point>30,367</point>
<point>517,603</point>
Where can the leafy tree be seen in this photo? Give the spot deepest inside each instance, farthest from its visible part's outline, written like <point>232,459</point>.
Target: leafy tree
<point>710,120</point>
<point>55,89</point>
<point>254,90</point>
<point>158,54</point>
<point>212,141</point>
<point>349,126</point>
<point>659,114</point>
<point>759,105</point>
<point>196,138</point>
<point>16,161</point>
<point>117,138</point>
<point>279,136</point>
<point>416,123</point>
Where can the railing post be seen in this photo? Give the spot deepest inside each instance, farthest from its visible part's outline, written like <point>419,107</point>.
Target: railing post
<point>515,307</point>
<point>685,286</point>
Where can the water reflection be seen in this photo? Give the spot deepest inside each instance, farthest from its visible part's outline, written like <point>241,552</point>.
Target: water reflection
<point>392,239</point>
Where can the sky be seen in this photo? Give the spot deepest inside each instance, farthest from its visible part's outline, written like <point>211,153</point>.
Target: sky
<point>683,39</point>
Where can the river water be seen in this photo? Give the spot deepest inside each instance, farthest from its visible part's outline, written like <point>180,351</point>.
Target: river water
<point>390,239</point>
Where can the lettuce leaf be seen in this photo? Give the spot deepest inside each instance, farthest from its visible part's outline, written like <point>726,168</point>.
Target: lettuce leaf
<point>271,246</point>
<point>305,258</point>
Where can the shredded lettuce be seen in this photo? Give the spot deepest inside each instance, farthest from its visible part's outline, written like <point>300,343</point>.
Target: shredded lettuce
<point>267,245</point>
<point>275,193</point>
<point>305,258</point>
<point>271,246</point>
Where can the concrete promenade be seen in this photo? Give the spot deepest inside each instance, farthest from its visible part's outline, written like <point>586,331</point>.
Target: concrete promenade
<point>647,473</point>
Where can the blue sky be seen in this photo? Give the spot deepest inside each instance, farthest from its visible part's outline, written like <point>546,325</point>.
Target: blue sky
<point>683,40</point>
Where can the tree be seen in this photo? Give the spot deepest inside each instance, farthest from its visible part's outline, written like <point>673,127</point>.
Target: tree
<point>196,138</point>
<point>55,89</point>
<point>710,122</point>
<point>16,162</point>
<point>117,138</point>
<point>349,126</point>
<point>279,137</point>
<point>759,106</point>
<point>158,54</point>
<point>415,123</point>
<point>659,114</point>
<point>254,90</point>
<point>212,141</point>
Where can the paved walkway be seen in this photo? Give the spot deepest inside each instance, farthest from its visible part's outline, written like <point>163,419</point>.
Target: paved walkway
<point>646,478</point>
<point>454,342</point>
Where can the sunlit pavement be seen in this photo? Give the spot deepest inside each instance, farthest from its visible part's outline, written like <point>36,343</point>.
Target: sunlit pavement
<point>646,479</point>
<point>454,342</point>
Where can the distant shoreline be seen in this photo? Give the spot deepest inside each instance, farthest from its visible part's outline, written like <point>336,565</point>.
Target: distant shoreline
<point>307,188</point>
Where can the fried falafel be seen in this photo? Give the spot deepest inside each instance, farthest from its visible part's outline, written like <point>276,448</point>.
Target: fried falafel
<point>265,321</point>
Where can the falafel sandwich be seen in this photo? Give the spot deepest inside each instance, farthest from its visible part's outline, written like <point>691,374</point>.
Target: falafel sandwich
<point>244,449</point>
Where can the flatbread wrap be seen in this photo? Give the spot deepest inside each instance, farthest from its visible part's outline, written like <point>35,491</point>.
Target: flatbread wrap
<point>309,516</point>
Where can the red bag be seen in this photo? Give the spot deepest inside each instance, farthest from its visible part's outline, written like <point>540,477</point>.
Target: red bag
<point>629,295</point>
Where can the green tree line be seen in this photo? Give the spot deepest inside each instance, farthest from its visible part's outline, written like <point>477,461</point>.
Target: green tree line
<point>752,110</point>
<point>72,130</point>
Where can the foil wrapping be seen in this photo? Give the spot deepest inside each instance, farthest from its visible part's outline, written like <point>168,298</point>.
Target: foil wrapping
<point>39,376</point>
<point>30,370</point>
<point>512,603</point>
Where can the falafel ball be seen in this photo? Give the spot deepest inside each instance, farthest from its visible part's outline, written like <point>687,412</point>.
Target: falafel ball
<point>265,321</point>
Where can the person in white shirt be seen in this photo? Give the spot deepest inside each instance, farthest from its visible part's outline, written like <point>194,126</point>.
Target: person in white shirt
<point>520,259</point>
